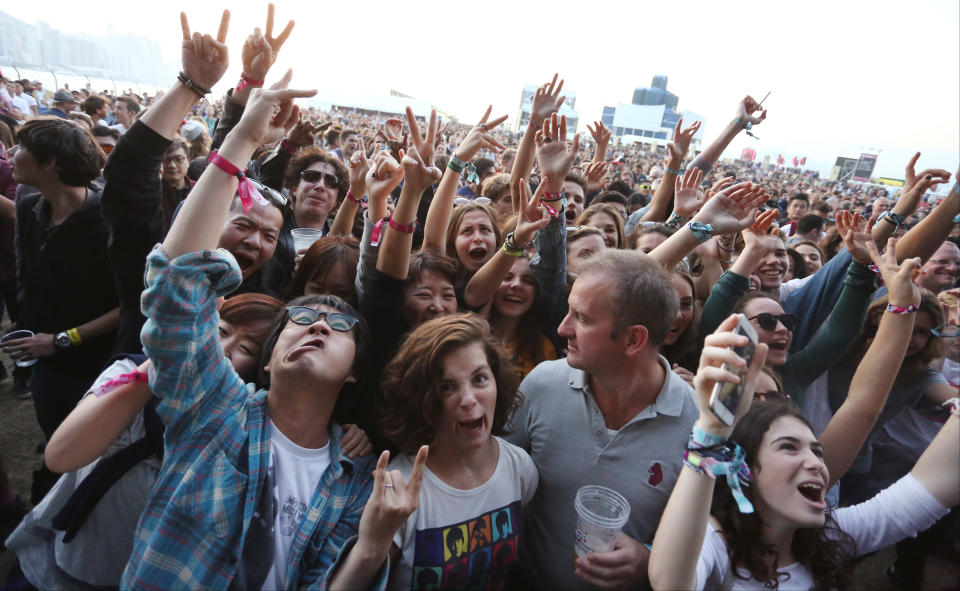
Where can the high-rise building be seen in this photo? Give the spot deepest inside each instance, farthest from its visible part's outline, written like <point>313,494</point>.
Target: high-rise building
<point>650,117</point>
<point>656,94</point>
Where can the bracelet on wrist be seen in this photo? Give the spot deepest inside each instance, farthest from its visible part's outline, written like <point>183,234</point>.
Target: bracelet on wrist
<point>675,221</point>
<point>199,90</point>
<point>676,171</point>
<point>743,123</point>
<point>892,218</point>
<point>287,147</point>
<point>953,405</point>
<point>246,81</point>
<point>248,190</point>
<point>702,231</point>
<point>377,233</point>
<point>74,335</point>
<point>455,164</point>
<point>552,196</point>
<point>900,310</point>
<point>511,248</point>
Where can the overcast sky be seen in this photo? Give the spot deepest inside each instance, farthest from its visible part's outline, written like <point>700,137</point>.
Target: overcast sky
<point>845,77</point>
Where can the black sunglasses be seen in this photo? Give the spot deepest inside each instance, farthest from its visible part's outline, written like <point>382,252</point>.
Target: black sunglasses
<point>306,316</point>
<point>768,321</point>
<point>314,176</point>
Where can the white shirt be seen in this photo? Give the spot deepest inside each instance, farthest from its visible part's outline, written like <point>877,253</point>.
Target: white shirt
<point>296,474</point>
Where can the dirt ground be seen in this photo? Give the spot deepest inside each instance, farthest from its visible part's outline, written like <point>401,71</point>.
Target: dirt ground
<point>20,435</point>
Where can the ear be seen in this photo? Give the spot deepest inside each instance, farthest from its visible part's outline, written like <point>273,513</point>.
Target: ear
<point>637,337</point>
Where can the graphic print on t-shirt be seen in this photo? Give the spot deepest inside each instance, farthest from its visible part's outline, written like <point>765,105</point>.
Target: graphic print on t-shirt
<point>473,554</point>
<point>291,514</point>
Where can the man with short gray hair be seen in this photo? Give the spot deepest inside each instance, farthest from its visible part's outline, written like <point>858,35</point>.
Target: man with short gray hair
<point>612,413</point>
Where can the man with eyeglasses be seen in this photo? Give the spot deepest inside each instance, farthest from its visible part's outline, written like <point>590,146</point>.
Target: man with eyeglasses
<point>941,271</point>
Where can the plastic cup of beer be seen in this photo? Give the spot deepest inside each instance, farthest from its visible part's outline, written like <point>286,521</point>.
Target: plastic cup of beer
<point>18,334</point>
<point>601,514</point>
<point>303,238</point>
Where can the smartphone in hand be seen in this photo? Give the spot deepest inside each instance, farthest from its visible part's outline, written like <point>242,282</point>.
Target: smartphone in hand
<point>726,396</point>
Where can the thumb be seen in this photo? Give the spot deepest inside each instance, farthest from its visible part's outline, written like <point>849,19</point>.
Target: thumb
<point>284,81</point>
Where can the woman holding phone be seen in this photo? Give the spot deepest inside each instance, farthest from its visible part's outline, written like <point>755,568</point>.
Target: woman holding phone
<point>768,525</point>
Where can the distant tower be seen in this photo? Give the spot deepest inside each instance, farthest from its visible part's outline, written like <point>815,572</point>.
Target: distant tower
<point>656,94</point>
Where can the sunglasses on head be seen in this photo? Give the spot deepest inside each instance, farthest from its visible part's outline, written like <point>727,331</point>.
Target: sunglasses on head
<point>276,197</point>
<point>768,321</point>
<point>478,201</point>
<point>306,316</point>
<point>311,175</point>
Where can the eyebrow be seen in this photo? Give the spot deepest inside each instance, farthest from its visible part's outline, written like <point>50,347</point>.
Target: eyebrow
<point>793,439</point>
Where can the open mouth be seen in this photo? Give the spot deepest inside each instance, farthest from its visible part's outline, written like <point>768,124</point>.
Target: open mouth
<point>812,491</point>
<point>245,260</point>
<point>514,300</point>
<point>471,426</point>
<point>778,345</point>
<point>478,255</point>
<point>306,348</point>
<point>571,215</point>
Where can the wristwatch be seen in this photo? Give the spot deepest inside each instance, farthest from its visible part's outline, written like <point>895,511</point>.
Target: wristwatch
<point>62,340</point>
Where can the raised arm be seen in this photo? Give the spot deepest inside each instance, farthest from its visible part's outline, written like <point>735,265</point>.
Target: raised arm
<point>394,259</point>
<point>747,116</point>
<point>850,426</point>
<point>938,469</point>
<point>683,525</point>
<point>601,136</point>
<point>359,166</point>
<point>546,101</point>
<point>441,208</point>
<point>94,424</point>
<point>926,237</point>
<point>914,187</point>
<point>728,212</point>
<point>663,196</point>
<point>484,283</point>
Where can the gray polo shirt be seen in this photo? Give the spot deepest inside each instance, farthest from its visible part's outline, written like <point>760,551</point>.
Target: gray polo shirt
<point>561,426</point>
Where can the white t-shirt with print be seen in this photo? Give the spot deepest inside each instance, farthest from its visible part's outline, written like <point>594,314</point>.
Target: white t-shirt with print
<point>464,538</point>
<point>296,473</point>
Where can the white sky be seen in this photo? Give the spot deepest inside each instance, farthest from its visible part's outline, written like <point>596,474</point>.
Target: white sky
<point>846,77</point>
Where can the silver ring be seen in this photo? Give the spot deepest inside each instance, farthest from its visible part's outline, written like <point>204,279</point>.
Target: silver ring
<point>388,485</point>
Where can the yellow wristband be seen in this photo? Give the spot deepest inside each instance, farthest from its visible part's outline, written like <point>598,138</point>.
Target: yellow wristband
<point>74,337</point>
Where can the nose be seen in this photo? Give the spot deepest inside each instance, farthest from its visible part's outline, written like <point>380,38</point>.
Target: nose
<point>252,240</point>
<point>565,329</point>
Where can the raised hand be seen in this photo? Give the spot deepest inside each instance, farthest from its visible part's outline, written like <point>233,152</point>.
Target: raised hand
<point>601,135</point>
<point>554,154</point>
<point>929,177</point>
<point>382,178</point>
<point>593,175</point>
<point>480,137</point>
<point>853,228</point>
<point>270,113</point>
<point>687,196</point>
<point>425,146</point>
<point>763,236</point>
<point>746,109</point>
<point>720,185</point>
<point>305,132</point>
<point>717,351</point>
<point>359,167</point>
<point>391,502</point>
<point>678,148</point>
<point>546,101</point>
<point>260,50</point>
<point>900,279</point>
<point>532,216</point>
<point>417,175</point>
<point>732,209</point>
<point>204,58</point>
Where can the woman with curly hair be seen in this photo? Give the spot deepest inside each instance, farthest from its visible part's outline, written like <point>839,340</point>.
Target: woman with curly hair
<point>452,387</point>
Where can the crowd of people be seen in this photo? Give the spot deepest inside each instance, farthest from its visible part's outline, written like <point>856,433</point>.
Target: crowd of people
<point>482,324</point>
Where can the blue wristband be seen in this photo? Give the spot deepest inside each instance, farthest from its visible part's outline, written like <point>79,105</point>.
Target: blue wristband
<point>702,231</point>
<point>676,171</point>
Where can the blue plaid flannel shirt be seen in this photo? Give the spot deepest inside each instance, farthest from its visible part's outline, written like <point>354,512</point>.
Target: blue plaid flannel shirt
<point>217,446</point>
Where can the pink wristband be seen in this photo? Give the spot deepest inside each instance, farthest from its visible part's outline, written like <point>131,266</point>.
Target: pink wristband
<point>246,81</point>
<point>900,310</point>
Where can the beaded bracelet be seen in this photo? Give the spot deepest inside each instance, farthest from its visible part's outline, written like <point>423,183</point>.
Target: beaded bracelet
<point>901,310</point>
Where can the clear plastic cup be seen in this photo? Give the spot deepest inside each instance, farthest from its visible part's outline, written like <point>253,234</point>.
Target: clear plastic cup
<point>601,514</point>
<point>18,334</point>
<point>303,238</point>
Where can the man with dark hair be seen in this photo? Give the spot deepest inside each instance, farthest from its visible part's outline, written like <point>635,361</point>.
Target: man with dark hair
<point>125,111</point>
<point>797,206</point>
<point>66,290</point>
<point>809,228</point>
<point>96,107</point>
<point>613,408</point>
<point>349,142</point>
<point>822,209</point>
<point>574,190</point>
<point>106,137</point>
<point>615,199</point>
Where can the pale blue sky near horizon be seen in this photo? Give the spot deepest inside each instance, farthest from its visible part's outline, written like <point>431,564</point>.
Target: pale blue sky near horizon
<point>844,77</point>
